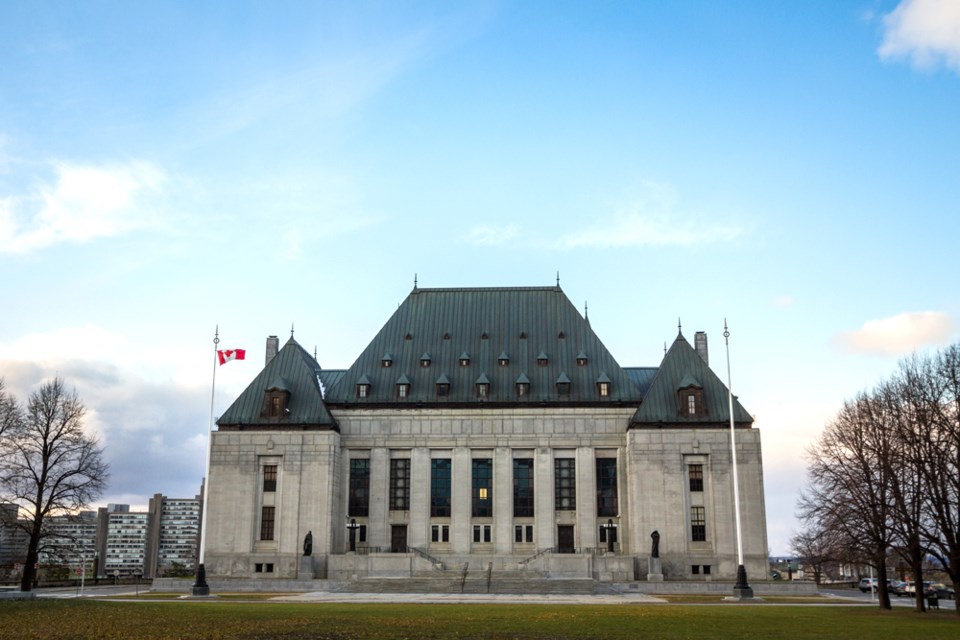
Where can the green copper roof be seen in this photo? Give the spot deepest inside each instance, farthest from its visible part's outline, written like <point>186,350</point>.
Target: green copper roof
<point>294,371</point>
<point>483,324</point>
<point>681,368</point>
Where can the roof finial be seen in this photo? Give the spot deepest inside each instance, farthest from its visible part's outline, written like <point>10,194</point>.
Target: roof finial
<point>291,331</point>
<point>414,281</point>
<point>314,352</point>
<point>664,347</point>
<point>558,278</point>
<point>679,326</point>
<point>586,311</point>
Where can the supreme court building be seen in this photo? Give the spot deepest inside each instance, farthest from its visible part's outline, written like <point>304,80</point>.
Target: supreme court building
<point>487,427</point>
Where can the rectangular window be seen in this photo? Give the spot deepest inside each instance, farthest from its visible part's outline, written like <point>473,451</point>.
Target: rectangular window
<point>440,487</point>
<point>695,472</point>
<point>698,524</point>
<point>518,533</point>
<point>476,533</point>
<point>529,533</point>
<point>270,477</point>
<point>400,484</point>
<point>486,533</point>
<point>565,484</point>
<point>706,569</point>
<point>695,569</point>
<point>523,488</point>
<point>607,487</point>
<point>267,515</point>
<point>359,501</point>
<point>482,488</point>
<point>692,405</point>
<point>440,533</point>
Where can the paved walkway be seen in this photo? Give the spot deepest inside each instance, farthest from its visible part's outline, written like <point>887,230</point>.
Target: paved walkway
<point>465,598</point>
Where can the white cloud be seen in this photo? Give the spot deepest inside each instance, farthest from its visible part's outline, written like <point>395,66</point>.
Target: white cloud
<point>900,334</point>
<point>82,203</point>
<point>783,301</point>
<point>642,230</point>
<point>493,235</point>
<point>925,31</point>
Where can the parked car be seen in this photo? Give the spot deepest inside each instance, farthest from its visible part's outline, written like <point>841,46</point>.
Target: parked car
<point>896,587</point>
<point>868,584</point>
<point>928,590</point>
<point>944,592</point>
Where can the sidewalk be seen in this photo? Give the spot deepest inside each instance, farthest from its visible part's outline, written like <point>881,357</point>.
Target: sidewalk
<point>465,598</point>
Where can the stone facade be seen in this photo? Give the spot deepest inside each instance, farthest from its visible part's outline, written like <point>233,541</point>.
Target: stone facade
<point>306,450</point>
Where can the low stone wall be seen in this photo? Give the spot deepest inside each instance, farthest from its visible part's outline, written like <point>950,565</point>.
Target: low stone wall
<point>244,585</point>
<point>760,588</point>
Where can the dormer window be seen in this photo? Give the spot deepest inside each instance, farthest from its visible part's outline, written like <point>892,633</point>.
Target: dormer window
<point>443,386</point>
<point>503,359</point>
<point>561,335</point>
<point>409,336</point>
<point>523,386</point>
<point>386,361</point>
<point>363,387</point>
<point>276,400</point>
<point>581,359</point>
<point>403,387</point>
<point>542,359</point>
<point>483,386</point>
<point>563,385</point>
<point>464,359</point>
<point>425,360</point>
<point>603,386</point>
<point>690,398</point>
<point>484,336</point>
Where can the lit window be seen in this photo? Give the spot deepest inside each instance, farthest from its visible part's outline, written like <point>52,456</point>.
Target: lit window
<point>581,359</point>
<point>387,361</point>
<point>425,360</point>
<point>464,359</point>
<point>363,390</point>
<point>692,404</point>
<point>503,359</point>
<point>403,390</point>
<point>604,389</point>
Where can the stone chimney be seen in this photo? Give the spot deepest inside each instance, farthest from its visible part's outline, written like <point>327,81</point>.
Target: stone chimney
<point>273,345</point>
<point>700,344</point>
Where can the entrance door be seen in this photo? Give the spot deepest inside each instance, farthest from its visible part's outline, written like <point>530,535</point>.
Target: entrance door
<point>565,538</point>
<point>398,538</point>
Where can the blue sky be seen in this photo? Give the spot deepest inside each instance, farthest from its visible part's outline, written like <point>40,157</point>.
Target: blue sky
<point>793,167</point>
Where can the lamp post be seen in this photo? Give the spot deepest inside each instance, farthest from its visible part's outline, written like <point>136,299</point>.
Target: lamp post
<point>742,588</point>
<point>353,526</point>
<point>611,530</point>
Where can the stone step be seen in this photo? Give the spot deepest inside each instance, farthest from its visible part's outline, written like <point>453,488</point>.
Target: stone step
<point>475,583</point>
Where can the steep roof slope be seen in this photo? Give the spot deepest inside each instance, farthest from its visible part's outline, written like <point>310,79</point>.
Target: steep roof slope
<point>504,335</point>
<point>294,371</point>
<point>682,367</point>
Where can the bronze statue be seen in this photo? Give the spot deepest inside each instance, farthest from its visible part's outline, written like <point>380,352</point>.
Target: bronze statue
<point>655,546</point>
<point>308,544</point>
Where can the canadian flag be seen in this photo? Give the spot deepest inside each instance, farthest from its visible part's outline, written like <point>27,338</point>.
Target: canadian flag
<point>231,354</point>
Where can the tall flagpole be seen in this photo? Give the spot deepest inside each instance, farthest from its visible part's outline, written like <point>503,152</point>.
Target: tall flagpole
<point>200,587</point>
<point>742,588</point>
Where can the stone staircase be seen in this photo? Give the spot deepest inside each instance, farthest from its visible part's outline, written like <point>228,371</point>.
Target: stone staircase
<point>474,581</point>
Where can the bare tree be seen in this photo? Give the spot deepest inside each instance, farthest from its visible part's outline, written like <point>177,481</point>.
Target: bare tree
<point>936,385</point>
<point>849,485</point>
<point>815,548</point>
<point>49,465</point>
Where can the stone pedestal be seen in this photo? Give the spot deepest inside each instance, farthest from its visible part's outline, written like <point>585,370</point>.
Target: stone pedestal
<point>305,570</point>
<point>654,571</point>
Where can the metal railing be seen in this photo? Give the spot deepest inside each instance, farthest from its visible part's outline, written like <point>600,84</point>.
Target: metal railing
<point>426,556</point>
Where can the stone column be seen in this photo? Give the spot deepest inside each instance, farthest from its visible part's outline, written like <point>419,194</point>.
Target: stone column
<point>378,534</point>
<point>586,498</point>
<point>418,534</point>
<point>502,500</point>
<point>460,495</point>
<point>543,480</point>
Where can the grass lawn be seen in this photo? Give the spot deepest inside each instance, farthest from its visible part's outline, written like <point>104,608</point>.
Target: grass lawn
<point>53,619</point>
